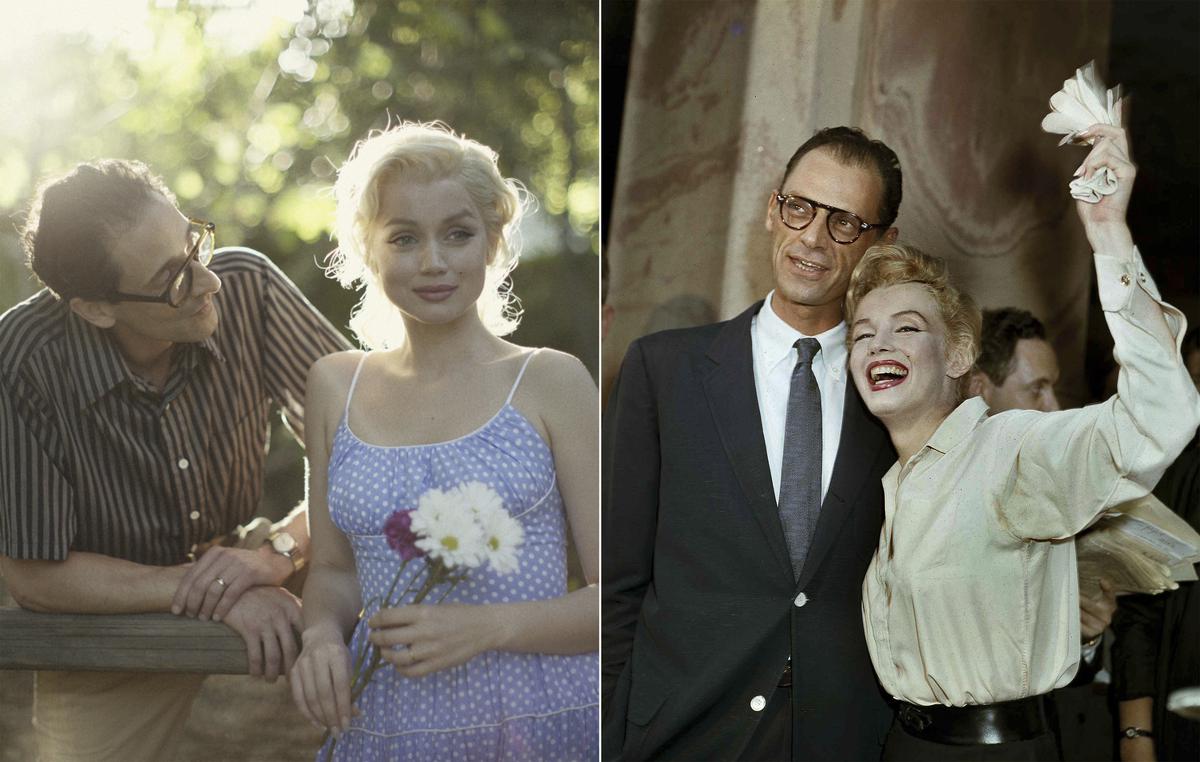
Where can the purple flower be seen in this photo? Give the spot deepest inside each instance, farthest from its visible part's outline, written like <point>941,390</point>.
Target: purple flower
<point>400,537</point>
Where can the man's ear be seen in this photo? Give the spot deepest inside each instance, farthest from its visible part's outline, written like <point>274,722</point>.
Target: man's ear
<point>769,219</point>
<point>99,314</point>
<point>890,235</point>
<point>977,383</point>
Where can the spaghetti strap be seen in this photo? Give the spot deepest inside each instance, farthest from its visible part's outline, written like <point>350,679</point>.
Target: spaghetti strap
<point>520,375</point>
<point>353,383</point>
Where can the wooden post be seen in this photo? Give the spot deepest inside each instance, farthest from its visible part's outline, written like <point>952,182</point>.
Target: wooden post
<point>118,643</point>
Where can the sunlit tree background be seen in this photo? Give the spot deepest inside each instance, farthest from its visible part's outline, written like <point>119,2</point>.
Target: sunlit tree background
<point>247,107</point>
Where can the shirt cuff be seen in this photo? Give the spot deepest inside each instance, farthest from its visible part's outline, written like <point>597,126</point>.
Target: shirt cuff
<point>1117,278</point>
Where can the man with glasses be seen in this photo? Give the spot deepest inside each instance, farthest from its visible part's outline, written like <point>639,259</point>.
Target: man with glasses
<point>135,397</point>
<point>742,500</point>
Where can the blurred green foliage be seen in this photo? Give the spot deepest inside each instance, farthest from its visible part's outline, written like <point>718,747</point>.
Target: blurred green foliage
<point>250,135</point>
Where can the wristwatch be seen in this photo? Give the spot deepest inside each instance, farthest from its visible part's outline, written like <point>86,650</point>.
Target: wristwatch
<point>1135,732</point>
<point>285,545</point>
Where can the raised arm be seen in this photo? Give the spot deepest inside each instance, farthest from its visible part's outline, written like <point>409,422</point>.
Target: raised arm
<point>1078,463</point>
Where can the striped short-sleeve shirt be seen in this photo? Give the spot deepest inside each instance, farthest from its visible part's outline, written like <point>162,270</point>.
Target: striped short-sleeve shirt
<point>94,459</point>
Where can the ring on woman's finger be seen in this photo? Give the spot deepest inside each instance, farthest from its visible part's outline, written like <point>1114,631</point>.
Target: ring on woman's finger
<point>408,658</point>
<point>221,582</point>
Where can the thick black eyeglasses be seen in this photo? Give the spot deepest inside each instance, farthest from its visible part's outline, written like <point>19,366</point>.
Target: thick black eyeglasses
<point>203,235</point>
<point>798,213</point>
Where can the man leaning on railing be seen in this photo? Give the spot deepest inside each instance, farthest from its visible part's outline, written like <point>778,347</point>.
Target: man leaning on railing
<point>135,401</point>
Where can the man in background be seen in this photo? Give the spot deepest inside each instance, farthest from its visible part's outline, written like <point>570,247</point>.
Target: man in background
<point>1017,368</point>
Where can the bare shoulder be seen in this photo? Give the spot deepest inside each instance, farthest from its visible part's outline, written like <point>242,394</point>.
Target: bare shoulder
<point>557,384</point>
<point>334,367</point>
<point>329,379</point>
<point>555,372</point>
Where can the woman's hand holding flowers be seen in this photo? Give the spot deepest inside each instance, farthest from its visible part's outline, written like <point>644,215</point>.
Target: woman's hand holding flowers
<point>432,638</point>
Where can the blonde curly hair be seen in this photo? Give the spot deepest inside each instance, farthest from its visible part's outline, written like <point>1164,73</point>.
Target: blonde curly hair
<point>423,152</point>
<point>893,264</point>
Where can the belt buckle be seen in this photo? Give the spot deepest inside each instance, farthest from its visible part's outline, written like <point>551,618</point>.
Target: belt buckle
<point>915,718</point>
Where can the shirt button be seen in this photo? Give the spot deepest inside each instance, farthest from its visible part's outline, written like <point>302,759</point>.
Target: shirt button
<point>1124,279</point>
<point>183,464</point>
<point>758,703</point>
<point>801,599</point>
<point>194,515</point>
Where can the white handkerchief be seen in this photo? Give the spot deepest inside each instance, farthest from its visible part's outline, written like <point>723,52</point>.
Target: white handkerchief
<point>1082,102</point>
<point>1102,182</point>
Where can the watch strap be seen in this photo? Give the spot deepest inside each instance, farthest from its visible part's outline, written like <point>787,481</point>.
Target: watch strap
<point>292,555</point>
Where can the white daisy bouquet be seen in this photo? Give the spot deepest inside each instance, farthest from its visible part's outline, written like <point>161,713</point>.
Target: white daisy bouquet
<point>451,533</point>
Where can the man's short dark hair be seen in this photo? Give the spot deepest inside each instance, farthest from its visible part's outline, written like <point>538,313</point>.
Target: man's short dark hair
<point>1002,329</point>
<point>852,147</point>
<point>75,219</point>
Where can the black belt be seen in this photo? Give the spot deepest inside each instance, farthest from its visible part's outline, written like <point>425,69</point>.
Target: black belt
<point>984,724</point>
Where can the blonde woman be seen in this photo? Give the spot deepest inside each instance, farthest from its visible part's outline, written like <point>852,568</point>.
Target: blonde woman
<point>970,602</point>
<point>504,667</point>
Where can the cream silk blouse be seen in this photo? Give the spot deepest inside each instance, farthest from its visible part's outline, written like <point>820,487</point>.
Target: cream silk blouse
<point>972,596</point>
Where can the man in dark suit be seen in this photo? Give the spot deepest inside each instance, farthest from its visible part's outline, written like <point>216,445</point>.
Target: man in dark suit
<point>742,500</point>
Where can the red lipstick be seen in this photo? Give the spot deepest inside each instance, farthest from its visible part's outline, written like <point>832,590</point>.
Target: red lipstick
<point>884,374</point>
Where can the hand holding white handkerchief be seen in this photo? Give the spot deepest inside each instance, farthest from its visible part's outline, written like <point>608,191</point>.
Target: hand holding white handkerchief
<point>1082,102</point>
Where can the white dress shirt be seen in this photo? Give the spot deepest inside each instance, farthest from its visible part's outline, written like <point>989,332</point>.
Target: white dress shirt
<point>972,596</point>
<point>774,358</point>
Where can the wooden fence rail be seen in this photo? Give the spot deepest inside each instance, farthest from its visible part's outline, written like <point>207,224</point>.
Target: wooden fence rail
<point>118,643</point>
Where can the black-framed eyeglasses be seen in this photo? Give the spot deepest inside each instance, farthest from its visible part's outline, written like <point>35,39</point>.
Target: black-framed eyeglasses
<point>798,213</point>
<point>202,234</point>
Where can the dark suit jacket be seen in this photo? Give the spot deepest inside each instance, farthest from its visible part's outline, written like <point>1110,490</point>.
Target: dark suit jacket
<point>699,599</point>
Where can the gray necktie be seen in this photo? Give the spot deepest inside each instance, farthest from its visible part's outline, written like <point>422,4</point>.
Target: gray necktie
<point>800,480</point>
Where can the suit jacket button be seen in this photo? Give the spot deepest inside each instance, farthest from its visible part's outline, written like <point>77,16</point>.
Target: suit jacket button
<point>801,599</point>
<point>758,703</point>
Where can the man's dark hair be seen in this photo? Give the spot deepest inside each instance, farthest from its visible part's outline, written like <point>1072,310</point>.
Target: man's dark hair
<point>75,219</point>
<point>1002,329</point>
<point>852,147</point>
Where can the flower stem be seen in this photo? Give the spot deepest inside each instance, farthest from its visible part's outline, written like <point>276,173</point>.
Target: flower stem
<point>435,573</point>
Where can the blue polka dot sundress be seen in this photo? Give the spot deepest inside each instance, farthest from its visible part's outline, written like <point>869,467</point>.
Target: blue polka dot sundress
<point>499,705</point>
